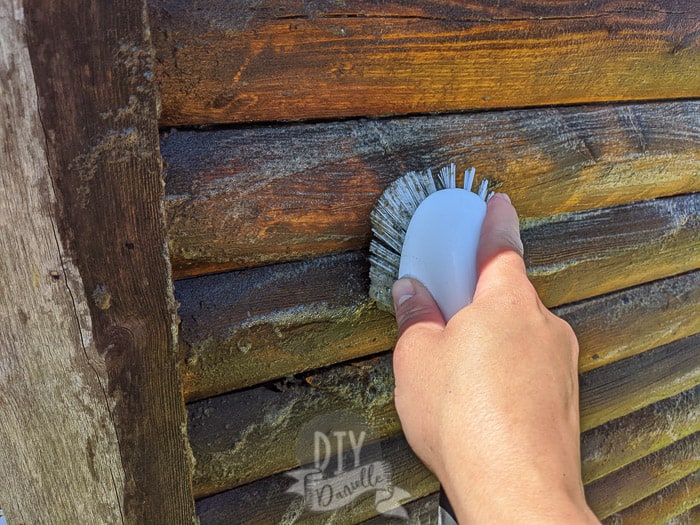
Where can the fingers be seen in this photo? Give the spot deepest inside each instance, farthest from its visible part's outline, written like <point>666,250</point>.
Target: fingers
<point>414,305</point>
<point>500,254</point>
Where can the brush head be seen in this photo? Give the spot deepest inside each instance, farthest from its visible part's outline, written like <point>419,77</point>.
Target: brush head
<point>391,218</point>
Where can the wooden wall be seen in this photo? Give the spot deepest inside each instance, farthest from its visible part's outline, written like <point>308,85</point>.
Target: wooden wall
<point>281,124</point>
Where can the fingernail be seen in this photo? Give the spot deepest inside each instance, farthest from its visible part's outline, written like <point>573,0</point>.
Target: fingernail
<point>402,290</point>
<point>503,196</point>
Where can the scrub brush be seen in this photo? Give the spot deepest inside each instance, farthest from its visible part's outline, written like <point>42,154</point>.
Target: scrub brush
<point>426,228</point>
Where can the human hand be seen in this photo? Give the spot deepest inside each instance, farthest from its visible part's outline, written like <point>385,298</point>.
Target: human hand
<point>489,401</point>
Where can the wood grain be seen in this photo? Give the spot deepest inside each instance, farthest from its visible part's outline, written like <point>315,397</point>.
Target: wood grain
<point>251,196</point>
<point>609,447</point>
<point>600,251</point>
<point>54,419</point>
<point>266,500</point>
<point>241,61</point>
<point>658,508</point>
<point>98,111</point>
<point>636,481</point>
<point>239,437</point>
<point>246,327</point>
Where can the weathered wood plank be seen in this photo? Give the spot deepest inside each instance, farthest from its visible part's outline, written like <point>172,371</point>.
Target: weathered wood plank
<point>636,481</point>
<point>254,196</point>
<point>625,386</point>
<point>54,419</point>
<point>609,447</point>
<point>239,437</point>
<point>689,517</point>
<point>276,505</point>
<point>247,327</point>
<point>106,257</point>
<point>658,508</point>
<point>286,60</point>
<point>596,252</point>
<point>267,500</point>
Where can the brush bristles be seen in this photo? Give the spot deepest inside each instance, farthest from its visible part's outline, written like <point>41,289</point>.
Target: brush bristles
<point>390,219</point>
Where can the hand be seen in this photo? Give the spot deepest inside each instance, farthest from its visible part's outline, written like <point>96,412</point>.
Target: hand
<point>489,401</point>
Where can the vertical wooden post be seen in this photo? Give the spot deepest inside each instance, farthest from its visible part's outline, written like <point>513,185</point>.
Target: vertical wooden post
<point>92,422</point>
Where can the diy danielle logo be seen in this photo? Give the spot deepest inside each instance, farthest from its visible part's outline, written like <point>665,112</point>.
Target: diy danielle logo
<point>344,463</point>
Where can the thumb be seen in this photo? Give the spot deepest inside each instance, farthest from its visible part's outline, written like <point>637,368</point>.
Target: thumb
<point>500,254</point>
<point>415,306</point>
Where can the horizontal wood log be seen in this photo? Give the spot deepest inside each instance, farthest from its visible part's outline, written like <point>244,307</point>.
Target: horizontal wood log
<point>252,196</point>
<point>239,437</point>
<point>600,251</point>
<point>636,481</point>
<point>239,62</point>
<point>247,327</point>
<point>625,386</point>
<point>658,508</point>
<point>609,447</point>
<point>267,500</point>
<point>689,517</point>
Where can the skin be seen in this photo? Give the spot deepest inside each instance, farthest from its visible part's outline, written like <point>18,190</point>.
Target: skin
<point>489,401</point>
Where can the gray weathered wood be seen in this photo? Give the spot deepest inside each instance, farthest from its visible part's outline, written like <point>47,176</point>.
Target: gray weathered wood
<point>619,442</point>
<point>266,500</point>
<point>91,413</point>
<point>644,477</point>
<point>658,508</point>
<point>250,326</point>
<point>59,460</point>
<point>247,435</point>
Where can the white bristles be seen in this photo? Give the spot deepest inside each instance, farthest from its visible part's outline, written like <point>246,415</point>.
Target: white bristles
<point>469,178</point>
<point>390,219</point>
<point>483,189</point>
<point>448,177</point>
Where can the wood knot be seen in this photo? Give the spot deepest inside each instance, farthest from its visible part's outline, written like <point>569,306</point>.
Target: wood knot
<point>101,297</point>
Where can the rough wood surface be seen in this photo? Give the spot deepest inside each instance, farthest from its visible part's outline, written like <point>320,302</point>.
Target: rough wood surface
<point>658,508</point>
<point>252,196</point>
<point>59,457</point>
<point>275,505</point>
<point>92,423</point>
<point>263,61</point>
<point>609,447</point>
<point>247,327</point>
<point>600,251</point>
<point>247,435</point>
<point>636,481</point>
<point>266,500</point>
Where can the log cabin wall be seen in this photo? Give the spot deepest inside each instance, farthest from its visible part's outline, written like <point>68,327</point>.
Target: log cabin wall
<point>281,124</point>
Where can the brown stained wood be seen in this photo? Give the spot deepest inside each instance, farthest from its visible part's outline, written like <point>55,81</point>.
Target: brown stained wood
<point>267,500</point>
<point>658,508</point>
<point>108,258</point>
<point>621,441</point>
<point>263,61</point>
<point>644,477</point>
<point>239,437</point>
<point>252,196</point>
<point>244,328</point>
